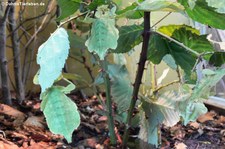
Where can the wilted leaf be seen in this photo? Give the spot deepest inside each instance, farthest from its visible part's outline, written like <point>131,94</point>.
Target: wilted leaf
<point>51,57</point>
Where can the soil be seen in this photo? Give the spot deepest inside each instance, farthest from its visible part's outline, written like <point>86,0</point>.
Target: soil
<point>24,127</point>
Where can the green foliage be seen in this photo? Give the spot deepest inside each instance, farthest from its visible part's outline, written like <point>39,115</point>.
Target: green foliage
<point>201,10</point>
<point>68,7</point>
<point>217,59</point>
<point>162,5</point>
<point>61,113</point>
<point>179,46</point>
<point>169,29</point>
<point>129,37</point>
<point>104,34</point>
<point>121,88</point>
<point>51,57</point>
<point>202,89</point>
<point>161,46</point>
<point>130,12</point>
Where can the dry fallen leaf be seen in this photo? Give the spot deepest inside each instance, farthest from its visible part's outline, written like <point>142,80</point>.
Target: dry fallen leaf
<point>195,125</point>
<point>180,146</point>
<point>209,116</point>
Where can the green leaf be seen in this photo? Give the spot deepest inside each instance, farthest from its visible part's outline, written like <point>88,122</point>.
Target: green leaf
<point>202,89</point>
<point>201,10</point>
<point>61,113</point>
<point>195,42</point>
<point>193,111</point>
<point>169,29</point>
<point>188,36</point>
<point>51,57</point>
<point>130,12</point>
<point>129,37</point>
<point>104,36</point>
<point>219,5</point>
<point>96,3</point>
<point>162,5</point>
<point>68,7</point>
<point>121,88</point>
<point>161,46</point>
<point>217,59</point>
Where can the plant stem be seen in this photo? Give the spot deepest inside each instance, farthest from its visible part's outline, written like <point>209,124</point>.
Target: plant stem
<point>108,103</point>
<point>140,70</point>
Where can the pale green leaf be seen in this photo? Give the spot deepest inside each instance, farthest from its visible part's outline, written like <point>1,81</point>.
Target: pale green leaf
<point>191,3</point>
<point>169,60</point>
<point>121,88</point>
<point>129,37</point>
<point>201,10</point>
<point>119,59</point>
<point>61,113</point>
<point>218,4</point>
<point>104,36</point>
<point>160,5</point>
<point>51,57</point>
<point>202,89</point>
<point>192,111</point>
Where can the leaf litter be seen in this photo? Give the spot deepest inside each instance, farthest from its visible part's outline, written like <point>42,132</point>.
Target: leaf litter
<point>24,127</point>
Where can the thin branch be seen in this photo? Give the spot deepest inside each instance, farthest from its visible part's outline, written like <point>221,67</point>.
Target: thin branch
<point>166,85</point>
<point>73,18</point>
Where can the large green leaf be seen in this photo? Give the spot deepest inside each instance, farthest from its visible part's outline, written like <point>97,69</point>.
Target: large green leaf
<point>195,42</point>
<point>160,5</point>
<point>121,88</point>
<point>104,34</point>
<point>217,59</point>
<point>129,37</point>
<point>68,7</point>
<point>61,113</point>
<point>218,4</point>
<point>161,46</point>
<point>51,57</point>
<point>201,10</point>
<point>189,37</point>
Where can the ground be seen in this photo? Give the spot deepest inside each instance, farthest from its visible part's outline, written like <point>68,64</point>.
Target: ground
<point>24,127</point>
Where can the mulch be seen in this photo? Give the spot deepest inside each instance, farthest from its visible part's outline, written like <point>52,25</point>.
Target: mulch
<point>24,127</point>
